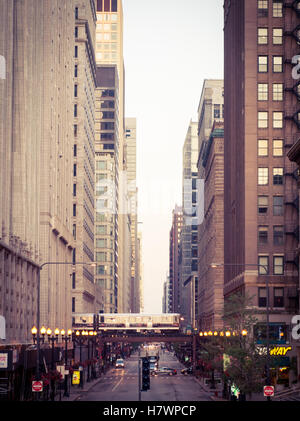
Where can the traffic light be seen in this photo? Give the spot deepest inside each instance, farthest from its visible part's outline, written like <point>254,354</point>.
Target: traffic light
<point>145,374</point>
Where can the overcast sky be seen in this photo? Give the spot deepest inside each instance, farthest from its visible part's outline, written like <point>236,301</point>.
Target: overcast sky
<point>170,48</point>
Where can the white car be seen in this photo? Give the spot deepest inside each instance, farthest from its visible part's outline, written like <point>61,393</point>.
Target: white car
<point>120,363</point>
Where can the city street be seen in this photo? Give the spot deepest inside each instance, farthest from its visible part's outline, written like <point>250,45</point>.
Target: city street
<point>122,384</point>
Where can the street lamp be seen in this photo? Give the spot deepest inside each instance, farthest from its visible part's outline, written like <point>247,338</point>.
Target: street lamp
<point>66,337</point>
<point>215,265</point>
<point>52,339</point>
<point>38,306</point>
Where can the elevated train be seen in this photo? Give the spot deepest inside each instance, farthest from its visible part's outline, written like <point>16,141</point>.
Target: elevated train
<point>139,322</point>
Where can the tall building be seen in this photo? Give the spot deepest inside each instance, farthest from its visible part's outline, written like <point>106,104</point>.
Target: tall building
<point>210,112</point>
<point>173,287</point>
<point>109,51</point>
<point>211,233</point>
<point>107,185</point>
<point>261,122</point>
<point>189,264</point>
<point>36,155</point>
<point>84,290</point>
<point>130,181</point>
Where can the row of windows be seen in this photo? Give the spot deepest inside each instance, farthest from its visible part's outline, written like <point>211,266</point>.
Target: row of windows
<point>263,64</point>
<point>263,35</point>
<point>278,265</point>
<point>278,235</point>
<point>263,147</point>
<point>263,8</point>
<point>263,205</point>
<point>263,176</point>
<point>278,297</point>
<point>263,119</point>
<point>263,91</point>
<point>106,56</point>
<point>107,5</point>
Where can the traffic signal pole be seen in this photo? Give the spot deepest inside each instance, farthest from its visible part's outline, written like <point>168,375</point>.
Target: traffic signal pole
<point>139,374</point>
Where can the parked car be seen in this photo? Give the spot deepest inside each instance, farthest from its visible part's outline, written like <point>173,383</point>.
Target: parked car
<point>120,363</point>
<point>186,371</point>
<point>167,371</point>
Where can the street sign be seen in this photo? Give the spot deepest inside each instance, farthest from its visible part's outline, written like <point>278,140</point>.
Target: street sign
<point>268,390</point>
<point>37,386</point>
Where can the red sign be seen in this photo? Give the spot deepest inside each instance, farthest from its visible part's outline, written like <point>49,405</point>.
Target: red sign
<point>268,390</point>
<point>37,386</point>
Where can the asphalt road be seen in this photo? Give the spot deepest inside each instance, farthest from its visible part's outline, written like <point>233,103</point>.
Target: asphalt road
<point>122,384</point>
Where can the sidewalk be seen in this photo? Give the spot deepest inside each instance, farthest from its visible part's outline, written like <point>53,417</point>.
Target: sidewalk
<point>76,391</point>
<point>215,394</point>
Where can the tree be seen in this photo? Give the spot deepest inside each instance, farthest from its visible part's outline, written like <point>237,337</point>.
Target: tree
<point>246,363</point>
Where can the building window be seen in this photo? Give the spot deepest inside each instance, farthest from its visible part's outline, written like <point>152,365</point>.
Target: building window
<point>101,229</point>
<point>278,265</point>
<point>75,91</point>
<point>75,150</point>
<point>278,297</point>
<point>74,189</point>
<point>263,176</point>
<point>76,70</point>
<point>75,110</point>
<point>217,111</point>
<point>99,5</point>
<point>73,304</point>
<point>277,64</point>
<point>278,205</point>
<point>73,280</point>
<point>277,147</point>
<point>106,5</point>
<point>101,165</point>
<point>262,118</point>
<point>263,265</point>
<point>262,36</point>
<point>277,36</point>
<point>262,92</point>
<point>75,130</point>
<point>277,91</point>
<point>278,235</point>
<point>76,31</point>
<point>74,209</point>
<point>262,147</point>
<point>114,5</point>
<point>101,257</point>
<point>263,202</point>
<point>101,243</point>
<point>74,231</point>
<point>262,235</point>
<point>262,8</point>
<point>262,297</point>
<point>277,119</point>
<point>74,170</point>
<point>76,51</point>
<point>262,64</point>
<point>76,12</point>
<point>277,176</point>
<point>277,9</point>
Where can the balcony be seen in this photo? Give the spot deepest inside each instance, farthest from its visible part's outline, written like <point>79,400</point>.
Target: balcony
<point>293,113</point>
<point>292,228</point>
<point>292,258</point>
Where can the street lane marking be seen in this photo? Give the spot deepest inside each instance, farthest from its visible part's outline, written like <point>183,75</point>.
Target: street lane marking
<point>116,385</point>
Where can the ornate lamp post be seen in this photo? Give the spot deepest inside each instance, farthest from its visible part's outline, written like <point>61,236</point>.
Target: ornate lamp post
<point>66,338</point>
<point>52,339</point>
